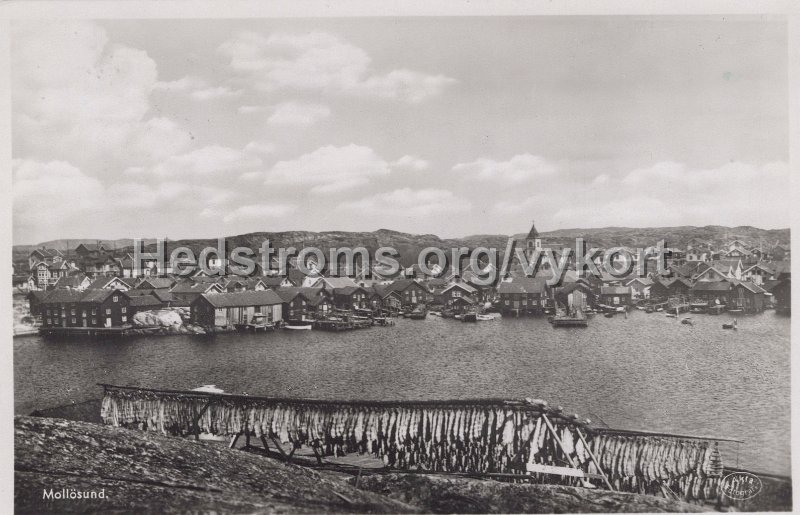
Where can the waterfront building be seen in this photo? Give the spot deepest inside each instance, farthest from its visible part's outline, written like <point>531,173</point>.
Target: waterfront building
<point>412,291</point>
<point>92,308</point>
<point>615,295</point>
<point>229,309</point>
<point>640,287</point>
<point>298,301</point>
<point>185,293</point>
<point>757,274</point>
<point>523,295</point>
<point>459,296</point>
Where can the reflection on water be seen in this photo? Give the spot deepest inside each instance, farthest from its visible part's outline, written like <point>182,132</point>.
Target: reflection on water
<point>644,372</point>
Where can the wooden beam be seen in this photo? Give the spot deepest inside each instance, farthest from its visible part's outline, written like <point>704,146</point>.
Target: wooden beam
<point>594,459</point>
<point>234,440</point>
<point>561,445</point>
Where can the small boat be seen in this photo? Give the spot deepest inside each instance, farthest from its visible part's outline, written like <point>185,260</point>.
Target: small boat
<point>730,326</point>
<point>609,315</point>
<point>659,308</point>
<point>649,309</point>
<point>469,317</point>
<point>735,310</point>
<point>484,318</point>
<point>687,321</point>
<point>671,315</point>
<point>435,313</point>
<point>298,327</point>
<point>417,314</point>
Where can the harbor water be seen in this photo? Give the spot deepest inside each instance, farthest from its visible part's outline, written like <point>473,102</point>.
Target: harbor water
<point>646,371</point>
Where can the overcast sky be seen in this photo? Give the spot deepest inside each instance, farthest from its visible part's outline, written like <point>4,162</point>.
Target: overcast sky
<point>451,126</point>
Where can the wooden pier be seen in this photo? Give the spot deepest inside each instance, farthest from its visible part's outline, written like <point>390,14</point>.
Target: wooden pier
<point>96,332</point>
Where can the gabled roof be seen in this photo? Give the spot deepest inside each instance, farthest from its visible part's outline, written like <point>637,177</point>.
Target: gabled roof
<point>192,287</point>
<point>47,252</point>
<point>403,284</point>
<point>242,299</point>
<point>712,286</point>
<point>70,281</point>
<point>754,288</point>
<point>338,282</point>
<point>523,285</point>
<point>97,296</point>
<point>141,301</point>
<point>766,269</point>
<point>158,282</point>
<point>464,286</point>
<point>272,282</point>
<point>288,294</point>
<point>39,295</point>
<point>348,290</point>
<point>103,282</point>
<point>645,281</point>
<point>615,290</point>
<point>63,297</point>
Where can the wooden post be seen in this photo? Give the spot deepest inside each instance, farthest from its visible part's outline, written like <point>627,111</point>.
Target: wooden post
<point>196,420</point>
<point>594,459</point>
<point>234,440</point>
<point>561,444</point>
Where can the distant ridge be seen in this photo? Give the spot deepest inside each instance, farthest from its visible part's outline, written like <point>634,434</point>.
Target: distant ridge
<point>409,245</point>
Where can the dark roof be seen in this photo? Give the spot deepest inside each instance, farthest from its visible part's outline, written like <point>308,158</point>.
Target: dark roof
<point>712,286</point>
<point>242,299</point>
<point>159,282</point>
<point>63,297</point>
<point>101,282</point>
<point>348,290</point>
<point>404,284</point>
<point>615,290</point>
<point>288,294</point>
<point>339,282</point>
<point>523,285</point>
<point>271,282</point>
<point>70,281</point>
<point>191,287</point>
<point>39,295</point>
<point>752,287</point>
<point>99,295</point>
<point>464,286</point>
<point>533,233</point>
<point>145,300</point>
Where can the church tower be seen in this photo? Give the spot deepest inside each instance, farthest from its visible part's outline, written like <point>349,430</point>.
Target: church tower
<point>532,241</point>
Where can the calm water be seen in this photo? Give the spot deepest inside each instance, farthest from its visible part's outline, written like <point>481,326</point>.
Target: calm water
<point>644,372</point>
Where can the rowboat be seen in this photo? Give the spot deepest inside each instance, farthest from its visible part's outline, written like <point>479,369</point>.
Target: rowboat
<point>484,318</point>
<point>293,327</point>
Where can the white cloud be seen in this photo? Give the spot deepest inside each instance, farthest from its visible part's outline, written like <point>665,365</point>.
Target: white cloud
<point>255,212</point>
<point>210,161</point>
<point>259,147</point>
<point>294,113</point>
<point>48,194</point>
<point>411,163</point>
<point>517,170</point>
<point>601,179</point>
<point>196,88</point>
<point>330,169</point>
<point>248,109</point>
<point>409,203</point>
<point>79,99</point>
<point>324,62</point>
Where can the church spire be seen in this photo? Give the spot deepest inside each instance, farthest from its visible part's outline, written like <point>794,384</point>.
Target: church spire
<point>533,234</point>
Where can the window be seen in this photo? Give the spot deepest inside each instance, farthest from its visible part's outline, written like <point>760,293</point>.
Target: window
<point>124,309</point>
<point>94,311</point>
<point>72,311</point>
<point>94,321</point>
<point>124,319</point>
<point>83,313</point>
<point>49,322</point>
<point>108,311</point>
<point>48,312</point>
<point>73,320</point>
<point>116,298</point>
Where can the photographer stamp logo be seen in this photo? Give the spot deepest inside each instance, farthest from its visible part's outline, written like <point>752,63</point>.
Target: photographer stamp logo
<point>741,485</point>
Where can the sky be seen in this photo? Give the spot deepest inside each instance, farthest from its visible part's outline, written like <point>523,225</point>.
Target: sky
<point>452,126</point>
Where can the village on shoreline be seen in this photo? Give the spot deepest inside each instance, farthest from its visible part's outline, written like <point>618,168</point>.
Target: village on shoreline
<point>94,290</point>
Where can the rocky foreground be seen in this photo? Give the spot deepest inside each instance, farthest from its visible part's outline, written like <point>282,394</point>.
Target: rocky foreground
<point>145,472</point>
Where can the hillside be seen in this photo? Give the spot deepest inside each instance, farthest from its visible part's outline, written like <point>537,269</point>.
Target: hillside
<point>150,473</point>
<point>409,245</point>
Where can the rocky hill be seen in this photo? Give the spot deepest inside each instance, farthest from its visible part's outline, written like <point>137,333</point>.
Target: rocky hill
<point>409,245</point>
<point>142,472</point>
